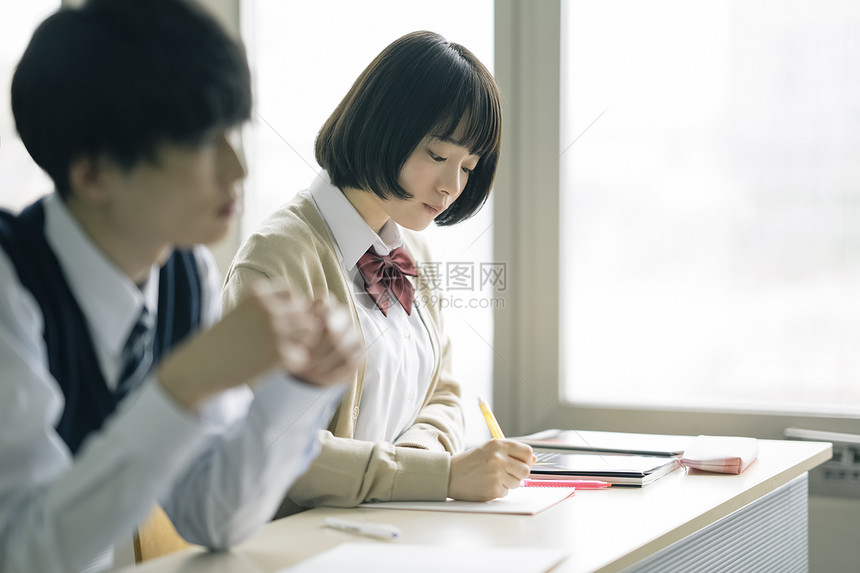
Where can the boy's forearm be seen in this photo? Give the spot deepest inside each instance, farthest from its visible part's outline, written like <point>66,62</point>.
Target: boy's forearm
<point>237,486</point>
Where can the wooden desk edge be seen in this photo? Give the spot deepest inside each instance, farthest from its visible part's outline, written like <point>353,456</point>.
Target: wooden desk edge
<point>718,512</point>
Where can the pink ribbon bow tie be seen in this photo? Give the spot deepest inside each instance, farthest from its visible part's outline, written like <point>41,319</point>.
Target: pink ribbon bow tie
<point>387,273</point>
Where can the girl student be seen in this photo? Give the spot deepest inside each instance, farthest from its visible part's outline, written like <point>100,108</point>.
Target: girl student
<point>415,140</point>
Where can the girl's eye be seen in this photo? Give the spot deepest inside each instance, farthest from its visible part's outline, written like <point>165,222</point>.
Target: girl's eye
<point>437,158</point>
<point>468,171</point>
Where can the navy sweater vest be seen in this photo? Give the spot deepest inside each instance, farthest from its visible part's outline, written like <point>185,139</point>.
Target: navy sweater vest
<point>72,358</point>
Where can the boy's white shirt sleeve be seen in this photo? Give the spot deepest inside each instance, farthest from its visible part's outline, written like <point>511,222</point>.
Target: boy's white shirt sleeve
<point>238,482</point>
<point>225,469</point>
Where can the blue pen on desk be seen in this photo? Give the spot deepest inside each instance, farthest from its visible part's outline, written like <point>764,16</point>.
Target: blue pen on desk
<point>377,530</point>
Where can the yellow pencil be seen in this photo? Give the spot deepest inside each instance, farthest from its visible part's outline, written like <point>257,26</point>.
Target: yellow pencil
<point>495,430</point>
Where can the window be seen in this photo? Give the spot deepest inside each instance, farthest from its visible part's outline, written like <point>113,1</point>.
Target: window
<point>23,180</point>
<point>304,58</point>
<point>710,211</point>
<point>700,161</point>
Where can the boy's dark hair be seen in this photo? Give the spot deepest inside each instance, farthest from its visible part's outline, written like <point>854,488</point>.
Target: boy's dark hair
<point>419,85</point>
<point>120,77</point>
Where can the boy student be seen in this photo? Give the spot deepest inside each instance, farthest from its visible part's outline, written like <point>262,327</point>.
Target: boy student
<point>109,398</point>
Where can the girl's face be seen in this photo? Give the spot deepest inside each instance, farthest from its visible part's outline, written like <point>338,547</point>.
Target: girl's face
<point>435,175</point>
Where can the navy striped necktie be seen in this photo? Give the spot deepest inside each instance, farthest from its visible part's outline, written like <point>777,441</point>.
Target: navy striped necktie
<point>136,357</point>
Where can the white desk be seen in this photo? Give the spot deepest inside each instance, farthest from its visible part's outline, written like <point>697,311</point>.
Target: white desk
<point>756,521</point>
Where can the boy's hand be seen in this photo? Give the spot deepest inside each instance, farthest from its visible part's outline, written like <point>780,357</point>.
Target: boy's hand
<point>333,350</point>
<point>268,329</point>
<point>489,471</point>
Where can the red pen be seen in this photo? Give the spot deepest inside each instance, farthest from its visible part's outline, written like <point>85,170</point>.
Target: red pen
<point>576,483</point>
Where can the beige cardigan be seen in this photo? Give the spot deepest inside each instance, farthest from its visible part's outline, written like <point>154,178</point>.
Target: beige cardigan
<point>294,245</point>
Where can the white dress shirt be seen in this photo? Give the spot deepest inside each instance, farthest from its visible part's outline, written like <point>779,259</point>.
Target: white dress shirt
<point>219,474</point>
<point>399,354</point>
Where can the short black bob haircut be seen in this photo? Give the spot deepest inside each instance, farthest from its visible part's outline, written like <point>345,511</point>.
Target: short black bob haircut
<point>121,77</point>
<point>419,85</point>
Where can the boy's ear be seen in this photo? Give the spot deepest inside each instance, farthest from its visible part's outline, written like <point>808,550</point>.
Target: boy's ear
<point>89,180</point>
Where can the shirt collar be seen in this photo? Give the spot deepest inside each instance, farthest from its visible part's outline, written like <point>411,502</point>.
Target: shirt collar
<point>352,235</point>
<point>108,298</point>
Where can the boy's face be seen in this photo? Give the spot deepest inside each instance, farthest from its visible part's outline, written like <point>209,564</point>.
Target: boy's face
<point>185,197</point>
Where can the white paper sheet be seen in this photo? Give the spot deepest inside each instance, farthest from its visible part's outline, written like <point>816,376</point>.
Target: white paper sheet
<point>520,501</point>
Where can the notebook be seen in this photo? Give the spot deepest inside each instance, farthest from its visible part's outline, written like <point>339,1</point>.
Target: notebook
<point>520,501</point>
<point>721,454</point>
<point>617,469</point>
